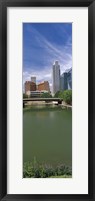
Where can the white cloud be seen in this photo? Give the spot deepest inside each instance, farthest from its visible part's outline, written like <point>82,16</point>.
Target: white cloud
<point>53,52</point>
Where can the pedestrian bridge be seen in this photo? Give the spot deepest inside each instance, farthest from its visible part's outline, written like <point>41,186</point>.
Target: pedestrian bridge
<point>58,100</point>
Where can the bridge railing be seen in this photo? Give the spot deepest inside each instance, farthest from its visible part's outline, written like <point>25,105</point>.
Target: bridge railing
<point>42,99</point>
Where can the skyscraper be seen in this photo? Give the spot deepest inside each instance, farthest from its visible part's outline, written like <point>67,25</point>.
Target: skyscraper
<point>66,80</point>
<point>70,79</point>
<point>63,81</point>
<point>33,79</point>
<point>55,77</point>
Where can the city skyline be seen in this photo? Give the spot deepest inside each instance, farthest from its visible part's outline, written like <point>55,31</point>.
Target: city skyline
<point>43,43</point>
<point>60,82</point>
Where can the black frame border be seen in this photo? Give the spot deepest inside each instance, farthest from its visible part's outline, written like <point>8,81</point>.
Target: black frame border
<point>4,4</point>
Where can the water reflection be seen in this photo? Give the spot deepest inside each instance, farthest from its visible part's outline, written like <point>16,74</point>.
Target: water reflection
<point>47,135</point>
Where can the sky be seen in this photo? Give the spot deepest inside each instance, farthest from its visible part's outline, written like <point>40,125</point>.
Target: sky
<point>44,43</point>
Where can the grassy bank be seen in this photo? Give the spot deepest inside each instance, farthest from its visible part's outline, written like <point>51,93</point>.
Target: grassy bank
<point>62,176</point>
<point>35,170</point>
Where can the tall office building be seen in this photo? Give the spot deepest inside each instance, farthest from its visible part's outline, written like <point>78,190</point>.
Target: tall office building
<point>63,81</point>
<point>66,80</point>
<point>55,77</point>
<point>33,79</point>
<point>69,79</point>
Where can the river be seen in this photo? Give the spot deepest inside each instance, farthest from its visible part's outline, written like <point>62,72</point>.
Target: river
<point>47,135</point>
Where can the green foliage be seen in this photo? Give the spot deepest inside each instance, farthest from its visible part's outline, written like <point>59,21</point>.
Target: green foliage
<point>67,96</point>
<point>25,95</point>
<point>57,94</point>
<point>62,176</point>
<point>61,94</point>
<point>36,170</point>
<point>46,95</point>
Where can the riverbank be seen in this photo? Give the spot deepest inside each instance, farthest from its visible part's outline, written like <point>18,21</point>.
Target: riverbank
<point>35,170</point>
<point>44,107</point>
<point>62,176</point>
<point>43,103</point>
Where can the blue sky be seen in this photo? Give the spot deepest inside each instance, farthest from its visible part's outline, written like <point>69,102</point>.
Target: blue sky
<point>43,43</point>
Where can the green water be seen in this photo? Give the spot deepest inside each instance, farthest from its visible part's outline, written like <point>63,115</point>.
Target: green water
<point>47,135</point>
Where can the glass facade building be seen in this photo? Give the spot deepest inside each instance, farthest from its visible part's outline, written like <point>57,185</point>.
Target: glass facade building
<point>66,80</point>
<point>69,79</point>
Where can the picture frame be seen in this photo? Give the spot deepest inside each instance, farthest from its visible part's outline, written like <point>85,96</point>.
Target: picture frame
<point>4,4</point>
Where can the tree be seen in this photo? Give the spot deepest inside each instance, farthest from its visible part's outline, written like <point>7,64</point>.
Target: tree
<point>61,94</point>
<point>46,95</point>
<point>57,94</point>
<point>67,96</point>
<point>25,95</point>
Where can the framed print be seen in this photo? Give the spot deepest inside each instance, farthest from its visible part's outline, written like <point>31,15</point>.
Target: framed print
<point>47,100</point>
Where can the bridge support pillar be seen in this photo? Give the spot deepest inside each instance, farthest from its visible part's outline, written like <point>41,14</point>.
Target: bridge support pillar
<point>23,105</point>
<point>59,102</point>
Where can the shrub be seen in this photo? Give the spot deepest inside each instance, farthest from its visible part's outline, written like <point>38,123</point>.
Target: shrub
<point>25,96</point>
<point>57,94</point>
<point>46,95</point>
<point>42,171</point>
<point>67,96</point>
